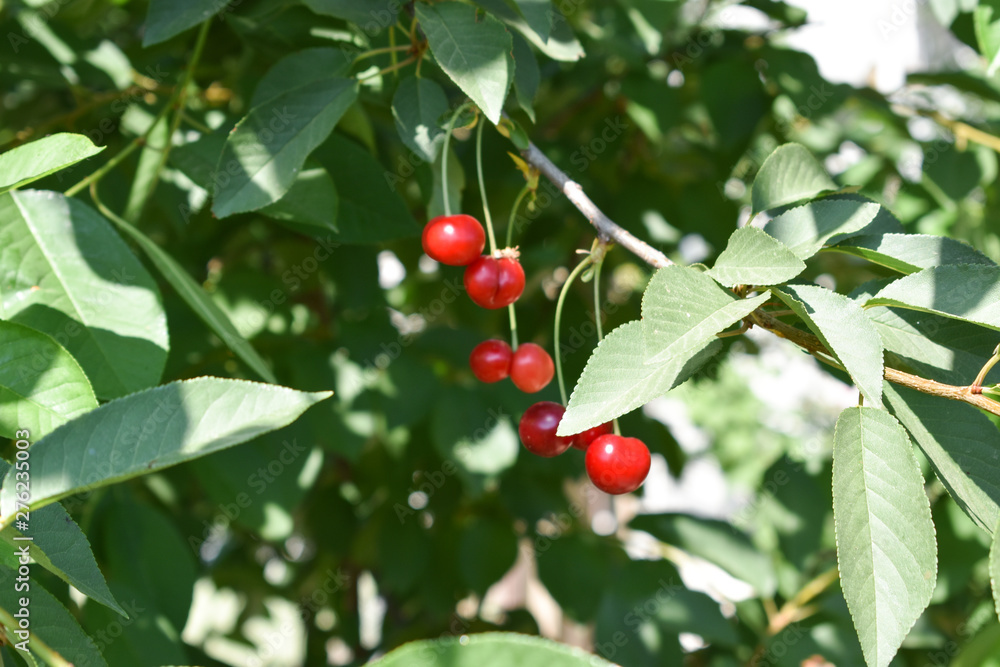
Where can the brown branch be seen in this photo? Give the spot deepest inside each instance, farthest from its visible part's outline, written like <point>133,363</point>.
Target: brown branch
<point>605,226</point>
<point>609,229</point>
<point>813,344</point>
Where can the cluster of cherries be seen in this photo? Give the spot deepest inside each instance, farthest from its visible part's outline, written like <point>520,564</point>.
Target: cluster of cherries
<point>615,464</point>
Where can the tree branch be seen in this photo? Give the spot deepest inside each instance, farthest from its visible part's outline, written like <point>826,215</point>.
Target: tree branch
<point>606,227</point>
<point>610,230</point>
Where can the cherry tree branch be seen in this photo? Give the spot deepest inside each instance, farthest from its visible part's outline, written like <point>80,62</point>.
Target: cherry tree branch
<point>609,230</point>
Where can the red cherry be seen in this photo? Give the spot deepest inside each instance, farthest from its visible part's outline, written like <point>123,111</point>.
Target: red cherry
<point>531,368</point>
<point>617,465</point>
<point>583,440</point>
<point>490,360</point>
<point>455,240</point>
<point>494,283</point>
<point>538,429</point>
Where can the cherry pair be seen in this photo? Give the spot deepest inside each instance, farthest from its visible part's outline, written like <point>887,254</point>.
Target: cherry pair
<point>615,464</point>
<point>530,368</point>
<point>492,281</point>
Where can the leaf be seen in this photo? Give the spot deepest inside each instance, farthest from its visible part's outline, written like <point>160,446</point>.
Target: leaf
<point>58,545</point>
<point>369,15</point>
<point>527,76</point>
<point>370,210</point>
<point>311,201</point>
<point>487,549</point>
<point>167,18</point>
<point>788,175</point>
<point>41,384</point>
<point>37,159</point>
<point>845,330</point>
<point>538,14</point>
<point>885,537</point>
<point>267,148</point>
<point>417,106</point>
<point>197,300</point>
<point>995,569</point>
<point>50,621</point>
<point>807,228</point>
<point>151,430</point>
<point>301,69</point>
<point>961,444</point>
<point>474,51</point>
<point>753,257</point>
<point>717,542</point>
<point>561,44</point>
<point>968,292</point>
<point>617,379</point>
<point>682,308</point>
<point>908,253</point>
<point>490,648</point>
<point>986,21</point>
<point>66,272</point>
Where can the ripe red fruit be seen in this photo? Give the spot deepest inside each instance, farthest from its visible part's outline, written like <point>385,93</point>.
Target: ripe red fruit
<point>617,465</point>
<point>583,440</point>
<point>493,282</point>
<point>490,360</point>
<point>531,368</point>
<point>538,429</point>
<point>455,240</point>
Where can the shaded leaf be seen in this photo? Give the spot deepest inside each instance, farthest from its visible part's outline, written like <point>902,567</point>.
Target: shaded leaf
<point>805,229</point>
<point>417,106</point>
<point>753,257</point>
<point>885,538</point>
<point>37,159</point>
<point>968,292</point>
<point>474,51</point>
<point>151,430</point>
<point>167,18</point>
<point>66,272</point>
<point>311,201</point>
<point>299,70</point>
<point>370,15</point>
<point>788,175</point>
<point>527,76</point>
<point>908,253</point>
<point>845,330</point>
<point>490,648</point>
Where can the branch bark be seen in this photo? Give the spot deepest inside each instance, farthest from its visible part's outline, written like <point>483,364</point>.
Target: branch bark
<point>609,230</point>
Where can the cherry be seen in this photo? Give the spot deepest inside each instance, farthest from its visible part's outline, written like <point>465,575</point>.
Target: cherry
<point>583,440</point>
<point>495,282</point>
<point>617,465</point>
<point>538,429</point>
<point>531,368</point>
<point>490,360</point>
<point>455,240</point>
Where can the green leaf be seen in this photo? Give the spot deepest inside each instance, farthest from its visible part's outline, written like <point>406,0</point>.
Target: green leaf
<point>474,51</point>
<point>969,292</point>
<point>300,70</point>
<point>845,330</point>
<point>147,171</point>
<point>717,542</point>
<point>753,257</point>
<point>197,300</point>
<point>66,272</point>
<point>538,14</point>
<point>58,545</point>
<point>487,549</point>
<point>167,18</point>
<point>986,21</point>
<point>805,229</point>
<point>560,44</point>
<point>788,175</point>
<point>469,432</point>
<point>151,430</point>
<point>41,384</point>
<point>960,443</point>
<point>908,253</point>
<point>370,15</point>
<point>490,648</point>
<point>682,308</point>
<point>617,380</point>
<point>267,148</point>
<point>995,569</point>
<point>885,537</point>
<point>527,76</point>
<point>37,159</point>
<point>417,106</point>
<point>370,210</point>
<point>50,621</point>
<point>311,201</point>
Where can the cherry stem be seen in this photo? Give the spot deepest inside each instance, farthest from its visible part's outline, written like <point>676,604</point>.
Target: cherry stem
<point>445,154</point>
<point>559,308</point>
<point>977,386</point>
<point>482,186</point>
<point>513,213</point>
<point>391,68</point>
<point>384,49</point>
